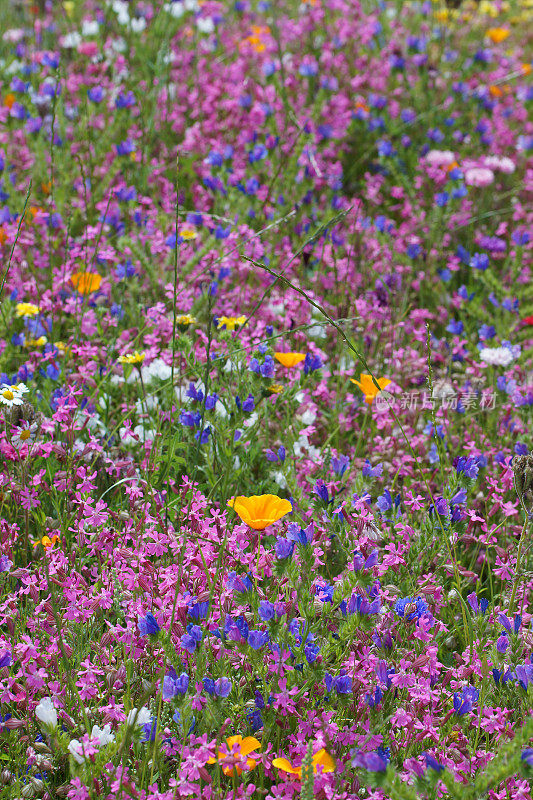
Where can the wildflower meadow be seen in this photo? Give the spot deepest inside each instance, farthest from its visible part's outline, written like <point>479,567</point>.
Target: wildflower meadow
<point>266,392</point>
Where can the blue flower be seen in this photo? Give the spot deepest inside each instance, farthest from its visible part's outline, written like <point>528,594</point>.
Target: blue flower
<point>238,584</point>
<point>299,535</point>
<point>527,756</point>
<point>267,611</point>
<point>411,608</point>
<point>372,472</point>
<point>222,687</point>
<point>432,763</point>
<point>174,684</point>
<point>478,607</point>
<point>283,548</point>
<point>148,625</point>
<point>149,731</point>
<point>373,761</point>
<point>340,465</point>
<point>192,638</point>
<point>312,363</point>
<point>198,610</point>
<point>257,639</point>
<point>479,261</point>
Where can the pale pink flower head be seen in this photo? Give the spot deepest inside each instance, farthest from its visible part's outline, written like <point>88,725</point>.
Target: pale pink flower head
<point>501,164</point>
<point>479,176</point>
<point>440,158</point>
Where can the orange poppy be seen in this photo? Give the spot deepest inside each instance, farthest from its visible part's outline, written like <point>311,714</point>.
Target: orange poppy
<point>260,511</point>
<point>320,759</point>
<point>9,100</point>
<point>86,282</point>
<point>498,35</point>
<point>368,386</point>
<point>289,359</point>
<point>244,748</point>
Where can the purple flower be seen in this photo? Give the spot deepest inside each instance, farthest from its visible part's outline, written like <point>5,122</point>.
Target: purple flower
<point>267,610</point>
<point>174,684</point>
<point>372,472</point>
<point>340,465</point>
<point>478,607</point>
<point>432,763</point>
<point>257,639</point>
<point>299,535</point>
<point>148,625</point>
<point>312,363</point>
<point>527,756</point>
<point>283,548</point>
<point>190,639</point>
<point>373,761</point>
<point>410,607</point>
<point>222,687</point>
<point>237,583</point>
<point>6,660</point>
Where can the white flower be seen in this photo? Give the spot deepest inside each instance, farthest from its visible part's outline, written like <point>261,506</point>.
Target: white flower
<point>156,369</point>
<point>46,713</point>
<point>75,748</point>
<point>205,25</point>
<point>70,40</point>
<point>12,395</point>
<point>139,716</point>
<point>138,24</point>
<point>23,434</point>
<point>103,735</point>
<point>308,417</point>
<point>496,356</point>
<point>90,28</point>
<point>176,10</point>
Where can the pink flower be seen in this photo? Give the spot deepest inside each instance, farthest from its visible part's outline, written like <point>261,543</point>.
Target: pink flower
<point>479,176</point>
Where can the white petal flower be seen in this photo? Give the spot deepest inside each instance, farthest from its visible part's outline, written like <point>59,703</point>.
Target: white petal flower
<point>75,748</point>
<point>46,713</point>
<point>496,356</point>
<point>103,735</point>
<point>139,716</point>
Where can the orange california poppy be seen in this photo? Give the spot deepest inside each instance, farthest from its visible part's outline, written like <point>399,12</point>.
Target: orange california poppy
<point>3,236</point>
<point>498,35</point>
<point>320,759</point>
<point>9,100</point>
<point>86,282</point>
<point>289,359</point>
<point>244,748</point>
<point>260,511</point>
<point>368,387</point>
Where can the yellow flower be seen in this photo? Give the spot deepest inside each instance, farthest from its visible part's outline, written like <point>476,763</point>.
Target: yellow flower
<point>442,15</point>
<point>40,342</point>
<point>86,282</point>
<point>320,759</point>
<point>188,233</point>
<point>185,319</point>
<point>275,388</point>
<point>132,358</point>
<point>26,309</point>
<point>498,35</point>
<point>260,511</point>
<point>230,322</point>
<point>289,359</point>
<point>244,748</point>
<point>369,388</point>
<point>68,5</point>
